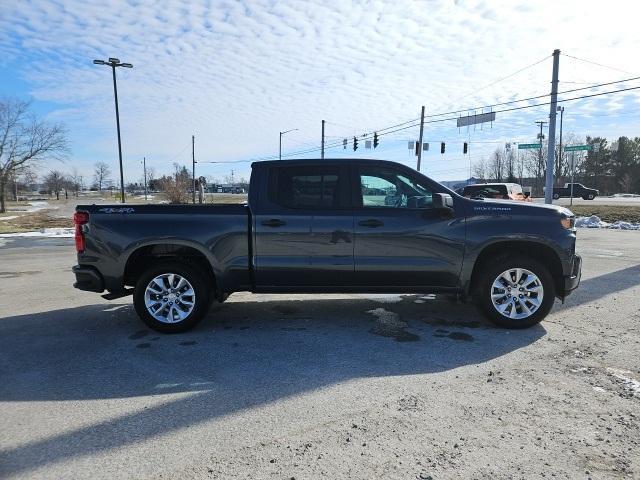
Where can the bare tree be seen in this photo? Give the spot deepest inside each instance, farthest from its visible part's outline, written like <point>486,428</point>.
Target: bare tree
<point>496,165</point>
<point>55,182</point>
<point>510,164</point>
<point>480,169</point>
<point>101,174</point>
<point>25,140</point>
<point>76,181</point>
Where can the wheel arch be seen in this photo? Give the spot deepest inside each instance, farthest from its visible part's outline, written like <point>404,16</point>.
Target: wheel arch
<point>532,249</point>
<point>141,257</point>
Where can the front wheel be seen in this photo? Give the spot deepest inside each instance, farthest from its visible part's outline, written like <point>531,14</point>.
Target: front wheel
<point>590,196</point>
<point>556,196</point>
<point>171,297</point>
<point>515,291</point>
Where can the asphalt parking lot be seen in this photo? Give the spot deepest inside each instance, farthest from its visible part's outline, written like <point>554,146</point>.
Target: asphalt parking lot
<point>311,386</point>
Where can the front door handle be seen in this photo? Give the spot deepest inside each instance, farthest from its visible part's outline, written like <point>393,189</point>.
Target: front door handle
<point>274,222</point>
<point>371,223</point>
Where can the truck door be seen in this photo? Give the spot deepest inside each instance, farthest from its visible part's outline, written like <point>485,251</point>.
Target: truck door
<point>400,240</point>
<point>304,228</point>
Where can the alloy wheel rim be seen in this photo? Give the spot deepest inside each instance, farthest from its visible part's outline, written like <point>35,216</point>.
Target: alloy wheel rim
<point>517,293</point>
<point>169,298</point>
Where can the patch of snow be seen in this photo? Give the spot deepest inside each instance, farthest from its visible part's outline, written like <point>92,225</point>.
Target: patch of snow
<point>628,382</point>
<point>595,222</point>
<point>599,389</point>
<point>382,298</point>
<point>10,217</point>
<point>37,206</point>
<point>44,232</point>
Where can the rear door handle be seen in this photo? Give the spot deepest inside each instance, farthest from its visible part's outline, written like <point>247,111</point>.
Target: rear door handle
<point>371,223</point>
<point>274,222</point>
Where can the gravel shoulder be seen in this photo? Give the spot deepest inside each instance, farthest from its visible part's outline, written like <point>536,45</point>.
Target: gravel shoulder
<point>319,386</point>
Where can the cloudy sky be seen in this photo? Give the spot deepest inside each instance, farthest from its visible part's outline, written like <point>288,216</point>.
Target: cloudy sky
<point>236,73</point>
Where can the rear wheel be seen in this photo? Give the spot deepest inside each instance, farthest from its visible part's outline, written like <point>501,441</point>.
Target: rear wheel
<point>556,196</point>
<point>515,291</point>
<point>171,297</point>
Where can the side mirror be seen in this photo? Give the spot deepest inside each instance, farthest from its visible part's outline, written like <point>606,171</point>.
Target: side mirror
<point>443,201</point>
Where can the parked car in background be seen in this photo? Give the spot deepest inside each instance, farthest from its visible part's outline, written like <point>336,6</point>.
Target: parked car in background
<point>496,191</point>
<point>579,190</point>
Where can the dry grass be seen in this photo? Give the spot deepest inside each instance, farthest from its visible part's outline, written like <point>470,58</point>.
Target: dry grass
<point>608,213</point>
<point>225,198</point>
<point>34,221</point>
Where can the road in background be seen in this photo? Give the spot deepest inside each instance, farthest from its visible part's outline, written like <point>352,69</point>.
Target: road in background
<point>306,386</point>
<point>613,201</point>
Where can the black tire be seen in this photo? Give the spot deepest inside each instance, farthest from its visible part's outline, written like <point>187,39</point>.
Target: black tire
<point>490,272</point>
<point>556,196</point>
<point>199,282</point>
<point>590,196</point>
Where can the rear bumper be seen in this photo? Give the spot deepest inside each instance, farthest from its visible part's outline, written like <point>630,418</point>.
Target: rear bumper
<point>572,281</point>
<point>88,279</point>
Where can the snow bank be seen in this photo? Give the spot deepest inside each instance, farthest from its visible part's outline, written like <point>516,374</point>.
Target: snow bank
<point>44,232</point>
<point>594,222</point>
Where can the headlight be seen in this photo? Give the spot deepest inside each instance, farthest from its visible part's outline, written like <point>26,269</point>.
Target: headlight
<point>568,222</point>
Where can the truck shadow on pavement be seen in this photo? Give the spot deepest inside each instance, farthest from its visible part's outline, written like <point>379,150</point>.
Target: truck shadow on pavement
<point>244,354</point>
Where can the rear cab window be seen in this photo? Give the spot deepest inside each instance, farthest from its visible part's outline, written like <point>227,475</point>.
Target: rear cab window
<point>308,187</point>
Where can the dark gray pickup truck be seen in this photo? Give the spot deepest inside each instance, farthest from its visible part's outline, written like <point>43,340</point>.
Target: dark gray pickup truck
<point>330,226</point>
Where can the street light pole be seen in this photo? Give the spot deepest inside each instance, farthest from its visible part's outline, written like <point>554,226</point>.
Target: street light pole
<point>113,63</point>
<point>281,134</point>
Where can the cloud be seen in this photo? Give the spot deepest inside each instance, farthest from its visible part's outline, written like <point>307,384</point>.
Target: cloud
<point>236,73</point>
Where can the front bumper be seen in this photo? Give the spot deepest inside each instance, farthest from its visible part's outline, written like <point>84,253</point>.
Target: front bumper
<point>572,281</point>
<point>88,279</point>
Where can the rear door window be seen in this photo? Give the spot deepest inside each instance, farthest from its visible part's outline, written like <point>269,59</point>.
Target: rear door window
<point>307,187</point>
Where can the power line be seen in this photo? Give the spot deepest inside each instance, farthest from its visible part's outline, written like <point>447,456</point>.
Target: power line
<point>598,64</point>
<point>412,123</point>
<point>502,79</point>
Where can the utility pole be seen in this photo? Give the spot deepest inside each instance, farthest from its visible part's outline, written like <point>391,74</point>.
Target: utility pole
<point>548,194</point>
<point>420,139</point>
<point>322,144</point>
<point>540,137</point>
<point>561,110</point>
<point>193,165</point>
<point>144,168</point>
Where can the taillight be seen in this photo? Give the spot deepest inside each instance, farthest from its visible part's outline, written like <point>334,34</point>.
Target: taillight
<point>79,219</point>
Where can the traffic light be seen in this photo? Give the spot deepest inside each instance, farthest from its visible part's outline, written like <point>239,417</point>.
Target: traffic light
<point>355,144</point>
<point>344,143</point>
<point>417,148</point>
<point>441,147</point>
<point>465,147</point>
<point>375,139</point>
